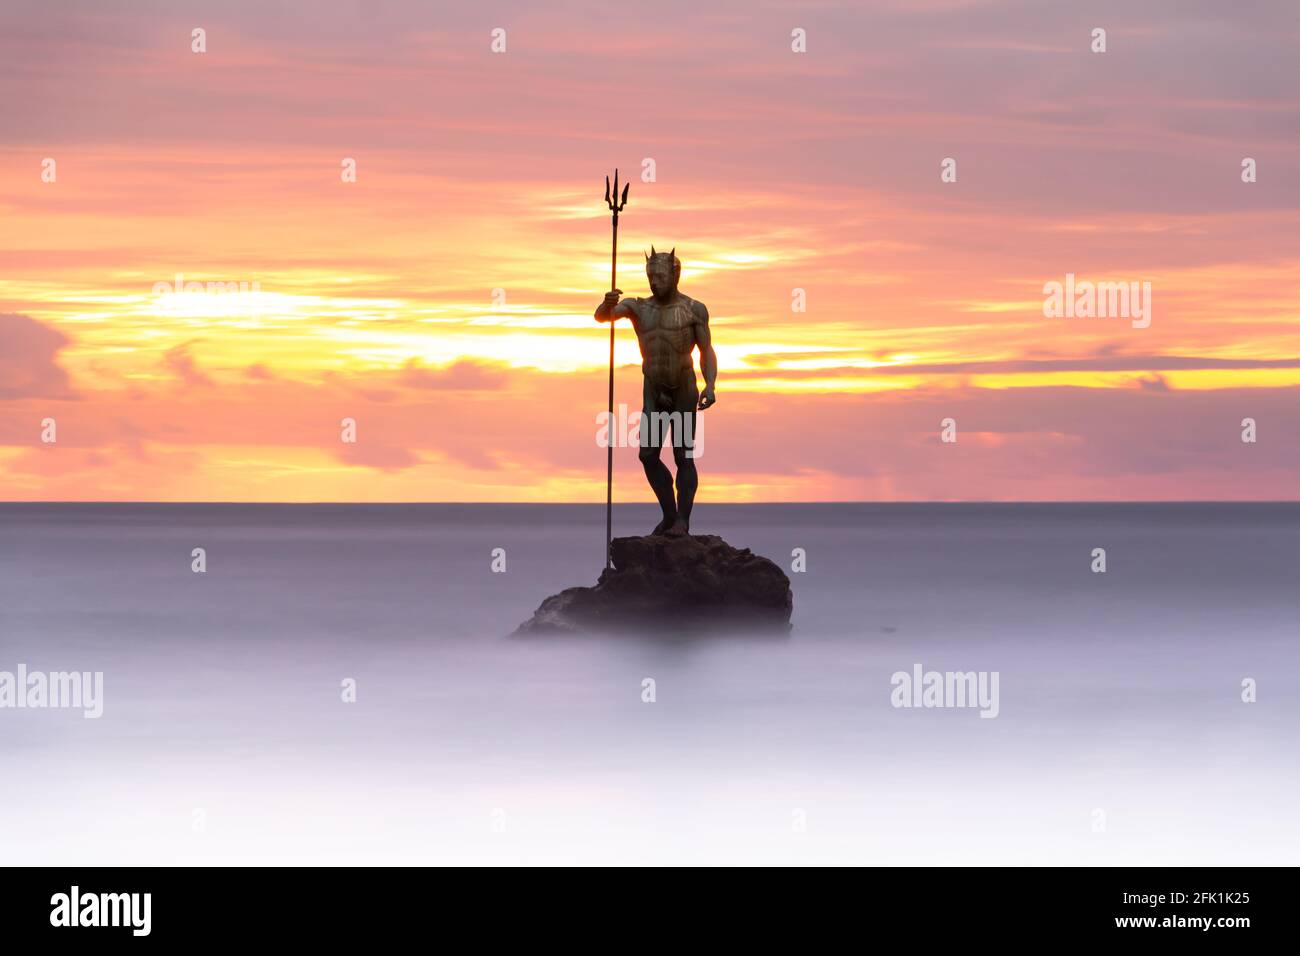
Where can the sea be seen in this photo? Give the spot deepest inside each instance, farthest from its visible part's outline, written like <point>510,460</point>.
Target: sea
<point>339,684</point>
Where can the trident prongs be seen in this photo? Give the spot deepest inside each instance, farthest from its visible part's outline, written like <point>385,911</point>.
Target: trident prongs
<point>621,201</point>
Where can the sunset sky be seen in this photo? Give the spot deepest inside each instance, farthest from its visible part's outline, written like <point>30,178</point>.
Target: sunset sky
<point>480,171</point>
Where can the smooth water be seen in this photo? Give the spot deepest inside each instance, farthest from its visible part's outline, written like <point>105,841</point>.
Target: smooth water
<point>1121,734</point>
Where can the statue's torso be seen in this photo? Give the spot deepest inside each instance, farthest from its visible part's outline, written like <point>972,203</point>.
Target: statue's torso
<point>666,333</point>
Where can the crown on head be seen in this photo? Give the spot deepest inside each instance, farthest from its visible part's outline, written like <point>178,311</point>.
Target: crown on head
<point>670,256</point>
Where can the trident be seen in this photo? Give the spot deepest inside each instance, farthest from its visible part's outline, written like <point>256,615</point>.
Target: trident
<point>615,205</point>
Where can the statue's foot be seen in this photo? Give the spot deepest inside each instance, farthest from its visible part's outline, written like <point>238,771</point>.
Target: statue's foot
<point>663,526</point>
<point>679,529</point>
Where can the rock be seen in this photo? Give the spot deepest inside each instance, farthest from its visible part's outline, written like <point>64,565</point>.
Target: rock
<point>667,586</point>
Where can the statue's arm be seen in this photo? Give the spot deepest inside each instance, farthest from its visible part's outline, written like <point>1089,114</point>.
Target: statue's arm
<point>708,359</point>
<point>611,308</point>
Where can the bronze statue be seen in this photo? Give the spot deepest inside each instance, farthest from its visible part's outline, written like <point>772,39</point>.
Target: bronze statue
<point>669,326</point>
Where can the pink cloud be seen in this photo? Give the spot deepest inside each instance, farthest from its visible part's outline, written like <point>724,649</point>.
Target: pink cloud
<point>28,360</point>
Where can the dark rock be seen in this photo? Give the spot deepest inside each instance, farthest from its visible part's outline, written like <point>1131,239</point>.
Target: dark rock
<point>667,586</point>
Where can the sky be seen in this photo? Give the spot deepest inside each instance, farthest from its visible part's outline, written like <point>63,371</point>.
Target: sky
<point>442,301</point>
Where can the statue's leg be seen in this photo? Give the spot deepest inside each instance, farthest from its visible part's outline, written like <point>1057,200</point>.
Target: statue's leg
<point>656,472</point>
<point>684,441</point>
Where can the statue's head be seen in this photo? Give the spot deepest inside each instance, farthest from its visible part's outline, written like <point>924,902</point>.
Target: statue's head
<point>663,269</point>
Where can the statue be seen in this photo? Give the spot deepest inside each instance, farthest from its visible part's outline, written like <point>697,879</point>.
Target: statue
<point>669,327</point>
<point>642,586</point>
